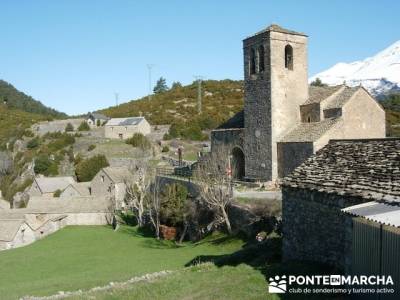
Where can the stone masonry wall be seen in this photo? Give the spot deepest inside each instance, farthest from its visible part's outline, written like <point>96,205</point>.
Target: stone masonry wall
<point>292,155</point>
<point>314,228</point>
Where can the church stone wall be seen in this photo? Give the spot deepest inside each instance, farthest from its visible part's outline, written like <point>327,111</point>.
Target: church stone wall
<point>314,228</point>
<point>310,113</point>
<point>292,155</point>
<point>257,112</point>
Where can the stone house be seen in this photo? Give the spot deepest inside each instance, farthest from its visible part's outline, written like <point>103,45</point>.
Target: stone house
<point>111,182</point>
<point>96,118</point>
<point>342,174</point>
<point>123,128</point>
<point>76,189</point>
<point>285,120</point>
<point>46,186</point>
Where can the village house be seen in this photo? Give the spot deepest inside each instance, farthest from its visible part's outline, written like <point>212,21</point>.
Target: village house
<point>285,120</point>
<point>111,182</point>
<point>123,128</point>
<point>43,216</point>
<point>96,119</point>
<point>342,207</point>
<point>76,189</point>
<point>47,186</point>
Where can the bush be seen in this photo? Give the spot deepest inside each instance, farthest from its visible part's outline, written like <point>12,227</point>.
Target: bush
<point>43,165</point>
<point>173,204</point>
<point>57,193</point>
<point>165,149</point>
<point>91,147</point>
<point>98,123</point>
<point>33,143</point>
<point>88,168</point>
<point>69,127</point>
<point>84,126</point>
<point>140,141</point>
<point>63,141</point>
<point>28,133</point>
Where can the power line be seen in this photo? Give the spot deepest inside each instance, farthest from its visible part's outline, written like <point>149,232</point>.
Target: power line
<point>199,80</point>
<point>150,67</point>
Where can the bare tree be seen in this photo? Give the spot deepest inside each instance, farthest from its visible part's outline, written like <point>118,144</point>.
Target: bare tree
<point>214,180</point>
<point>136,191</point>
<point>154,205</point>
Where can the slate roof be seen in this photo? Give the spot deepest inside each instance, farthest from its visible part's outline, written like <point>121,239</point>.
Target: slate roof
<point>366,168</point>
<point>316,94</point>
<point>98,116</point>
<point>52,184</point>
<point>383,213</point>
<point>82,188</point>
<point>277,28</point>
<point>310,132</point>
<point>125,121</point>
<point>341,98</point>
<point>79,204</point>
<point>118,174</point>
<point>9,229</point>
<point>237,121</point>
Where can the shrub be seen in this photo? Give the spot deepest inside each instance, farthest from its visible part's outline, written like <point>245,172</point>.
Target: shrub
<point>57,193</point>
<point>140,141</point>
<point>91,147</point>
<point>43,165</point>
<point>28,133</point>
<point>173,204</point>
<point>33,143</point>
<point>88,168</point>
<point>98,123</point>
<point>84,126</point>
<point>165,149</point>
<point>63,141</point>
<point>69,127</point>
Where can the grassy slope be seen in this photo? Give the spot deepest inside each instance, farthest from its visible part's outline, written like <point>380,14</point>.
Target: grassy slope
<point>200,282</point>
<point>14,121</point>
<point>83,257</point>
<point>180,104</point>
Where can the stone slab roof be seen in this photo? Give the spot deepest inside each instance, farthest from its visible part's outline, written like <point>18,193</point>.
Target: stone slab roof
<point>316,94</point>
<point>52,184</point>
<point>79,204</point>
<point>277,28</point>
<point>237,121</point>
<point>309,132</point>
<point>9,229</point>
<point>132,121</point>
<point>118,174</point>
<point>98,116</point>
<point>82,188</point>
<point>383,213</point>
<point>365,168</point>
<point>341,98</point>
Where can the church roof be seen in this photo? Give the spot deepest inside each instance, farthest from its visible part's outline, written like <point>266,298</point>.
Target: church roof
<point>336,96</point>
<point>277,28</point>
<point>366,168</point>
<point>309,132</point>
<point>237,121</point>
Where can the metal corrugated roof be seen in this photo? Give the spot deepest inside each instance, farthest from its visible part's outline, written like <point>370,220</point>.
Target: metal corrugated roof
<point>383,213</point>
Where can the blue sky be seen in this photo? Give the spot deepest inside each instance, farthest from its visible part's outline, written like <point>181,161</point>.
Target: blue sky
<point>73,55</point>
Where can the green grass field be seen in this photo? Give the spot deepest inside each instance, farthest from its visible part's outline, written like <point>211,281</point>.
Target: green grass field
<point>83,257</point>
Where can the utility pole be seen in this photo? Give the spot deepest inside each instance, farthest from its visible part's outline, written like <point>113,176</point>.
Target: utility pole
<point>149,67</point>
<point>199,93</point>
<point>116,99</point>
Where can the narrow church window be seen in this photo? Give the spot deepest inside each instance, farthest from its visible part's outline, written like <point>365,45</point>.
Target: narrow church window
<point>309,119</point>
<point>289,57</point>
<point>252,62</point>
<point>261,54</point>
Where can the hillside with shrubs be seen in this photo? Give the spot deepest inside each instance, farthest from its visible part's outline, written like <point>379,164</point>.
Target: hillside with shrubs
<point>178,106</point>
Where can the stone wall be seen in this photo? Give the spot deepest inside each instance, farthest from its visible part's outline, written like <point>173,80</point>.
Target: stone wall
<point>314,228</point>
<point>124,132</point>
<point>292,155</point>
<point>310,113</point>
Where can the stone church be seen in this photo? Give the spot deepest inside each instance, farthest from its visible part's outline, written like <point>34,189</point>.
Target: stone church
<point>284,120</point>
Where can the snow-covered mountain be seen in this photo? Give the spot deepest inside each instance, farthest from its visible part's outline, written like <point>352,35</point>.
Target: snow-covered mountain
<point>379,74</point>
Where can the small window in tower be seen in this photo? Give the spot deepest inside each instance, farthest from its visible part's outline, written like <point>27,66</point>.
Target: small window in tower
<point>289,57</point>
<point>261,55</point>
<point>308,119</point>
<point>252,62</point>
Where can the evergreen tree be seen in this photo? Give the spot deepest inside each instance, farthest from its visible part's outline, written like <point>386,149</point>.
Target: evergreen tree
<point>161,86</point>
<point>317,82</point>
<point>176,85</point>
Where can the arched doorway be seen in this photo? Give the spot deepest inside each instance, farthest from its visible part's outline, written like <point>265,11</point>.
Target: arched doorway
<point>237,163</point>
